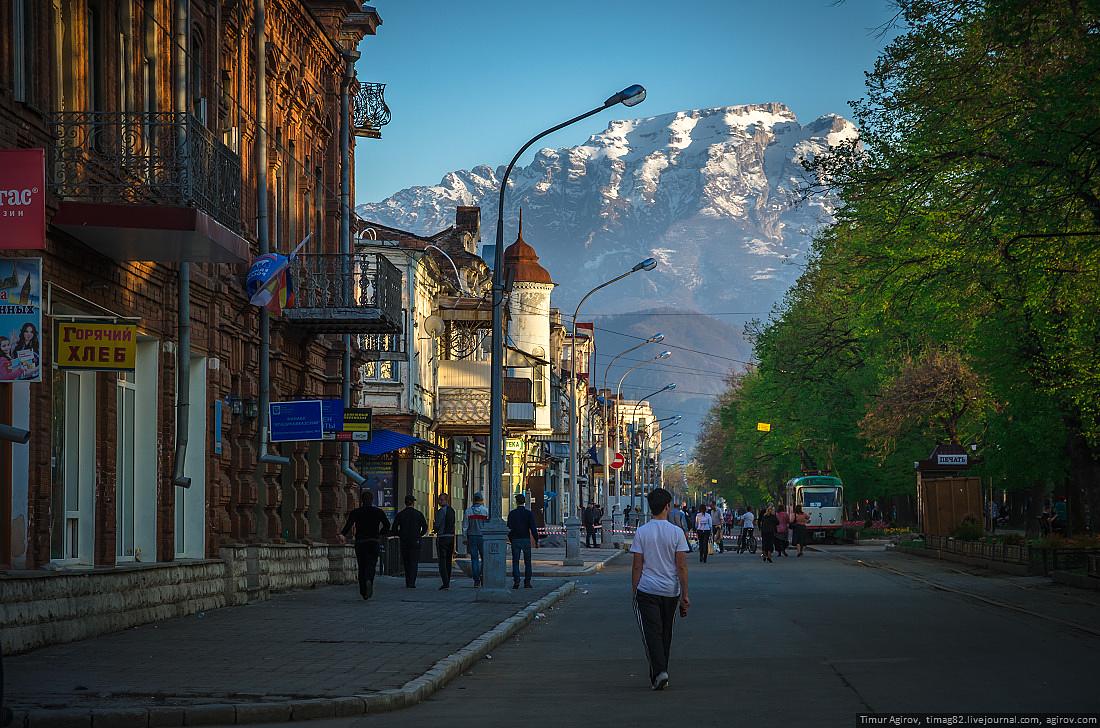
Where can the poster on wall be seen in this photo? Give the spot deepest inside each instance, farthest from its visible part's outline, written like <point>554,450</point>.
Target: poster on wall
<point>380,481</point>
<point>20,319</point>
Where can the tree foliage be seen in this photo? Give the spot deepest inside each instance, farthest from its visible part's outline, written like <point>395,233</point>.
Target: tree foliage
<point>956,295</point>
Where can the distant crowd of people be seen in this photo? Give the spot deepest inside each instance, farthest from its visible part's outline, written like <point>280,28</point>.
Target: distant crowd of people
<point>710,524</point>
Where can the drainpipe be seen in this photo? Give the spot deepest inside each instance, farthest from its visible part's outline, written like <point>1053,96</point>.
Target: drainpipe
<point>345,242</point>
<point>264,239</point>
<point>183,306</point>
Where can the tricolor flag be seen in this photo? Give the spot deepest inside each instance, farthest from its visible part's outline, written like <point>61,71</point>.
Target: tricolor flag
<point>269,283</point>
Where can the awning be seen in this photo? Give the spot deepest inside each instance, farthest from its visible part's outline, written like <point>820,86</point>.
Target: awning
<point>383,442</point>
<point>157,233</point>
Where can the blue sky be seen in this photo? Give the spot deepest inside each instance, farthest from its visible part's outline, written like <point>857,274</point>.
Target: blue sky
<point>469,82</point>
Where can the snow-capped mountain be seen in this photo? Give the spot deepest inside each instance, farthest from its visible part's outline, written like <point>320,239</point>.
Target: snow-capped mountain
<point>713,194</point>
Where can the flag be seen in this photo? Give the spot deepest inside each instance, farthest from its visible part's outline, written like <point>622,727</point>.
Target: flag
<point>594,456</point>
<point>269,282</point>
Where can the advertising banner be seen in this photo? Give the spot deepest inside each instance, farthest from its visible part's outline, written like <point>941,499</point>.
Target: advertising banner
<point>95,346</point>
<point>20,319</point>
<point>299,420</point>
<point>22,199</point>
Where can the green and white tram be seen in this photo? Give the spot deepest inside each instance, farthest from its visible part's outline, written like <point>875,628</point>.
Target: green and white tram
<point>822,499</point>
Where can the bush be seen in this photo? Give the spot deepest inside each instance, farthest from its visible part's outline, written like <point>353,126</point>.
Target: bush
<point>968,530</point>
<point>1014,539</point>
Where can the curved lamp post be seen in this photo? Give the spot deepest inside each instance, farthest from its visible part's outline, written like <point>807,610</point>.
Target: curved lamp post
<point>494,530</point>
<point>655,339</point>
<point>618,397</point>
<point>633,418</point>
<point>572,523</point>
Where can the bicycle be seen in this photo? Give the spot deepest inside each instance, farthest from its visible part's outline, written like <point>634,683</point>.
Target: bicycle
<point>747,541</point>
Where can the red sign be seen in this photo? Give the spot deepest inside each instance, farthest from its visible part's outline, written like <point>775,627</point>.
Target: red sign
<point>22,199</point>
<point>618,461</point>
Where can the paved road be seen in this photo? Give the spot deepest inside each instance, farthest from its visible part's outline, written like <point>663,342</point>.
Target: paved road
<point>801,642</point>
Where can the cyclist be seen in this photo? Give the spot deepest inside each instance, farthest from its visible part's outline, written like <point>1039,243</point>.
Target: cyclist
<point>747,521</point>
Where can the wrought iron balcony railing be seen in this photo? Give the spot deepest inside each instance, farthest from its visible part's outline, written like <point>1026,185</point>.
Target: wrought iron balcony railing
<point>356,293</point>
<point>369,110</point>
<point>148,158</point>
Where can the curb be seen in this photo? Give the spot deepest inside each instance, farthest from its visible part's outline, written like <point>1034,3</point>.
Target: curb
<point>411,693</point>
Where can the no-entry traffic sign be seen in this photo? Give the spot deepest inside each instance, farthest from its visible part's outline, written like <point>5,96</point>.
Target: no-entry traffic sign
<point>618,461</point>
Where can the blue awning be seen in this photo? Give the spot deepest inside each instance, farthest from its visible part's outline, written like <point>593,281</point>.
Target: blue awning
<point>387,441</point>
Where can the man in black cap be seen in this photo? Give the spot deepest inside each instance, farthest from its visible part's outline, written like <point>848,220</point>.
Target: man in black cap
<point>410,527</point>
<point>370,525</point>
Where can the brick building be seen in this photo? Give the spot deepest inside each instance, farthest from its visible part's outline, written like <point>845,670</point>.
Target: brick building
<point>154,136</point>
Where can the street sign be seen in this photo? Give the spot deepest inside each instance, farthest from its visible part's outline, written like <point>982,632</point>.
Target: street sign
<point>513,444</point>
<point>618,461</point>
<point>764,426</point>
<point>332,415</point>
<point>358,419</point>
<point>960,459</point>
<point>95,346</point>
<point>296,421</point>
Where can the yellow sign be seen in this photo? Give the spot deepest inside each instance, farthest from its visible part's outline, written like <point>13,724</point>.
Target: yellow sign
<point>764,426</point>
<point>714,481</point>
<point>95,346</point>
<point>513,444</point>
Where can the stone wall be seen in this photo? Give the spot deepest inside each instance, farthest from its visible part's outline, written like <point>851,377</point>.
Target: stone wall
<point>46,608</point>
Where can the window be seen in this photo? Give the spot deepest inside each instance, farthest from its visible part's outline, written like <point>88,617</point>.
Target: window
<point>538,386</point>
<point>380,371</point>
<point>198,97</point>
<point>125,461</point>
<point>819,498</point>
<point>24,48</point>
<point>149,56</point>
<point>96,60</point>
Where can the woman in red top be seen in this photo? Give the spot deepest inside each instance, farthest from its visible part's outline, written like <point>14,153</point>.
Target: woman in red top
<point>782,530</point>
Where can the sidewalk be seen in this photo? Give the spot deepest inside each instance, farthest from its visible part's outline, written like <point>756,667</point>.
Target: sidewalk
<point>547,562</point>
<point>261,661</point>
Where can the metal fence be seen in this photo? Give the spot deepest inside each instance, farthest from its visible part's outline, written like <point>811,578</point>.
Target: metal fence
<point>151,158</point>
<point>348,281</point>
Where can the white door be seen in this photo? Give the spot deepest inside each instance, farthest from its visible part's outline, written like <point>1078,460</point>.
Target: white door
<point>136,457</point>
<point>79,468</point>
<point>191,502</point>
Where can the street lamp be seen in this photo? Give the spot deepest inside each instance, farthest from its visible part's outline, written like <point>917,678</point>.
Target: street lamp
<point>494,530</point>
<point>655,339</point>
<point>618,397</point>
<point>572,523</point>
<point>633,418</point>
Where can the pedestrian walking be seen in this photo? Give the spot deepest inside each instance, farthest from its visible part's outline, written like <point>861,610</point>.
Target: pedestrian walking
<point>748,524</point>
<point>445,539</point>
<point>782,531</point>
<point>476,516</point>
<point>677,517</point>
<point>659,581</point>
<point>410,527</point>
<point>716,528</point>
<point>523,535</point>
<point>370,525</point>
<point>768,525</point>
<point>703,529</point>
<point>798,526</point>
<point>590,517</point>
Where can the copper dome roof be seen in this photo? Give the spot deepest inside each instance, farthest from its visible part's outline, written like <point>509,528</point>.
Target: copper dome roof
<point>522,262</point>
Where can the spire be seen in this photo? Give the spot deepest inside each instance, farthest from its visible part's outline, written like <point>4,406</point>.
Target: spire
<point>522,261</point>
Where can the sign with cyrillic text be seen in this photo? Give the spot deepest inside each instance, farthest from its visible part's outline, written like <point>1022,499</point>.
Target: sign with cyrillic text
<point>95,346</point>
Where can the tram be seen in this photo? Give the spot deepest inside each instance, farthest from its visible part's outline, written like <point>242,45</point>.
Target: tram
<point>822,499</point>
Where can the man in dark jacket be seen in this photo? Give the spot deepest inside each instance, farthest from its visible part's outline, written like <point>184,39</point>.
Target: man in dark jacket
<point>410,527</point>
<point>590,519</point>
<point>370,525</point>
<point>523,534</point>
<point>445,538</point>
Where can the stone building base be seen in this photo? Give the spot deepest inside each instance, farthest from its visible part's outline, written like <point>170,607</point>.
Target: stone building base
<point>50,607</point>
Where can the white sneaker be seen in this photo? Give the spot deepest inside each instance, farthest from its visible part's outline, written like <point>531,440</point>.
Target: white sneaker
<point>661,681</point>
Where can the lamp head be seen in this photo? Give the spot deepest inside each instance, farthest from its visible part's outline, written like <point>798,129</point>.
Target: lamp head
<point>655,339</point>
<point>670,386</point>
<point>629,96</point>
<point>647,264</point>
<point>663,355</point>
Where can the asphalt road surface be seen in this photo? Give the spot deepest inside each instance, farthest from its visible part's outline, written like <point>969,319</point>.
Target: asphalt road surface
<point>800,642</point>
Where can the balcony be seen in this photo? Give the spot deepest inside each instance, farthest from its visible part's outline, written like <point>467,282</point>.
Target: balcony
<point>520,414</point>
<point>462,407</point>
<point>356,293</point>
<point>153,186</point>
<point>519,411</point>
<point>369,112</point>
<point>383,347</point>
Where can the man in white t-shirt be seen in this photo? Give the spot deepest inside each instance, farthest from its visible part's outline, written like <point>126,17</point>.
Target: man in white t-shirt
<point>748,521</point>
<point>660,583</point>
